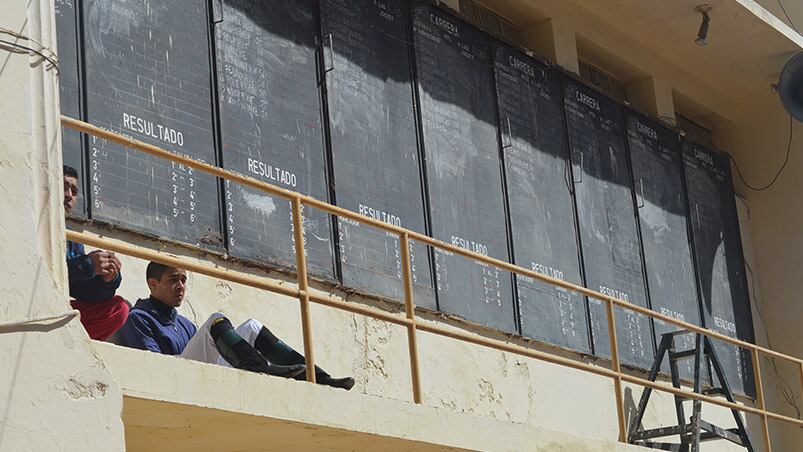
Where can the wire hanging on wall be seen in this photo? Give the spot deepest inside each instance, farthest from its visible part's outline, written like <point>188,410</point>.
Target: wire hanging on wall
<point>789,19</point>
<point>778,174</point>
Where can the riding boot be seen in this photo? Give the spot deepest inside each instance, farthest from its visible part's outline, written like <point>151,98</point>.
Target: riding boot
<point>241,355</point>
<point>278,352</point>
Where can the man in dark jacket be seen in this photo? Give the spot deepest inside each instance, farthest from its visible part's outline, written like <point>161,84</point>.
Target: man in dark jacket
<point>154,324</point>
<point>94,277</point>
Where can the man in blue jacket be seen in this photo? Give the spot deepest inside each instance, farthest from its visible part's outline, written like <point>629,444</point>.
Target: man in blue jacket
<point>154,324</point>
<point>94,277</point>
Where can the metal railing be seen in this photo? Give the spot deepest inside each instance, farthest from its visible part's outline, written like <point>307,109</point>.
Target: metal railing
<point>413,325</point>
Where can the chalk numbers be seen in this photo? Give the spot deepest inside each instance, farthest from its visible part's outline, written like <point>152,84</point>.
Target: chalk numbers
<point>293,232</point>
<point>182,192</point>
<point>492,285</point>
<point>95,180</point>
<point>230,215</point>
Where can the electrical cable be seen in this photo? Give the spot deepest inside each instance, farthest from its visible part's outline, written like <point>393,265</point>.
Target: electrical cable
<point>30,50</point>
<point>787,16</point>
<point>783,386</point>
<point>783,166</point>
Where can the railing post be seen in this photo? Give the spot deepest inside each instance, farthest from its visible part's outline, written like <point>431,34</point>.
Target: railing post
<point>760,400</point>
<point>303,287</point>
<point>801,379</point>
<point>617,380</point>
<point>409,306</point>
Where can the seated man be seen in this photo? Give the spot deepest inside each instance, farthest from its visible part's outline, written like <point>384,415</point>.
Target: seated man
<point>154,324</point>
<point>94,277</point>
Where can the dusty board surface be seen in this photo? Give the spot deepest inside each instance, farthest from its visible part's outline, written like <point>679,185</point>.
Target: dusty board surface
<point>608,230</point>
<point>720,263</point>
<point>374,147</point>
<point>148,77</point>
<point>454,65</point>
<point>530,99</point>
<point>270,116</point>
<point>70,94</point>
<point>663,220</point>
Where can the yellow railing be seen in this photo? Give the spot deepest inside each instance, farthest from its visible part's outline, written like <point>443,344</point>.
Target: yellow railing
<point>305,295</point>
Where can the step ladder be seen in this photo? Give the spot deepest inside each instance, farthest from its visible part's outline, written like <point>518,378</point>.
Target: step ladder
<point>695,431</point>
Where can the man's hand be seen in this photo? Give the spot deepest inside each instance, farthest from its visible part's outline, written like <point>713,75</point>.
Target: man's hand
<point>106,264</point>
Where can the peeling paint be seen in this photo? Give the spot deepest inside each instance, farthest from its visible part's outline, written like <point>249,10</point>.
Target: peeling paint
<point>79,390</point>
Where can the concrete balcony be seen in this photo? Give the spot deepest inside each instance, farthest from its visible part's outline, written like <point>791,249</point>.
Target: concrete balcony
<point>170,403</point>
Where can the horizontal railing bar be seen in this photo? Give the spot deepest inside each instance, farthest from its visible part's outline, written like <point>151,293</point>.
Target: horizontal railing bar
<point>146,254</point>
<point>262,283</point>
<point>339,211</point>
<point>247,280</point>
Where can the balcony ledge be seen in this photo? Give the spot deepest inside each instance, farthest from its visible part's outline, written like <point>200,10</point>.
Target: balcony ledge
<point>173,403</point>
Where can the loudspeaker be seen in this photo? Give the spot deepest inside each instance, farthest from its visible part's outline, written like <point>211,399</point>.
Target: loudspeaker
<point>790,86</point>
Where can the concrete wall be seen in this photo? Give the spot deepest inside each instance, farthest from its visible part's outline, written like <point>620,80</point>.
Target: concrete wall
<point>456,376</point>
<point>774,219</point>
<point>55,393</point>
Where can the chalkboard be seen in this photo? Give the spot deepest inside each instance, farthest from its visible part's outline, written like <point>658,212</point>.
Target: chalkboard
<point>662,213</point>
<point>70,94</point>
<point>720,263</point>
<point>270,114</point>
<point>467,205</point>
<point>541,206</point>
<point>374,147</point>
<point>148,77</point>
<point>608,230</point>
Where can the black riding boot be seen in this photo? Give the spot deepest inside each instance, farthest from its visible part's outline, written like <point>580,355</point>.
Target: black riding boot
<point>239,353</point>
<point>278,352</point>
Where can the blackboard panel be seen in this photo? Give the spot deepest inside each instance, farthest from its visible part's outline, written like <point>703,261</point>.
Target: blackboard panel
<point>148,76</point>
<point>720,263</point>
<point>662,211</point>
<point>374,146</point>
<point>608,230</point>
<point>530,99</point>
<point>456,91</point>
<point>271,129</point>
<point>70,94</point>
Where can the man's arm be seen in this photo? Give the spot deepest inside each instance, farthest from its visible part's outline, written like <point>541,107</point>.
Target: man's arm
<point>93,277</point>
<point>136,333</point>
<point>79,265</point>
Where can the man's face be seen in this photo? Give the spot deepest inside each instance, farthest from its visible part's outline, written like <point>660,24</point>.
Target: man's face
<point>70,193</point>
<point>169,289</point>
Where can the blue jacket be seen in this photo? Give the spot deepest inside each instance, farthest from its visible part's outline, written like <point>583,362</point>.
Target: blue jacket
<point>154,326</point>
<point>84,285</point>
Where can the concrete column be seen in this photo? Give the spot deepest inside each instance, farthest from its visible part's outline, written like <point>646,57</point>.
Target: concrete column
<point>555,40</point>
<point>652,95</point>
<point>56,393</point>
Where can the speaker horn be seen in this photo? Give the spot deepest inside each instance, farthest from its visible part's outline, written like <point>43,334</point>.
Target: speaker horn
<point>790,86</point>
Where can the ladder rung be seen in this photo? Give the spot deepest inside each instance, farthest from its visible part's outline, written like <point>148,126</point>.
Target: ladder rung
<point>661,446</point>
<point>677,333</point>
<point>675,356</point>
<point>713,391</point>
<point>658,432</point>
<point>713,432</point>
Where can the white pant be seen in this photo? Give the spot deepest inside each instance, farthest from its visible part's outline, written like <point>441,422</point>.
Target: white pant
<point>202,348</point>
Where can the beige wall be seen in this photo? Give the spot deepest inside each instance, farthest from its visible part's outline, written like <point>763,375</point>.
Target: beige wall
<point>758,143</point>
<point>58,394</point>
<point>55,393</point>
<point>456,376</point>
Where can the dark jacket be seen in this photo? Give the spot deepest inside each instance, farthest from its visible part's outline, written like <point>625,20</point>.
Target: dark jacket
<point>84,284</point>
<point>154,326</point>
